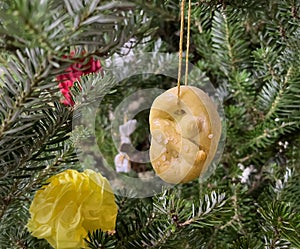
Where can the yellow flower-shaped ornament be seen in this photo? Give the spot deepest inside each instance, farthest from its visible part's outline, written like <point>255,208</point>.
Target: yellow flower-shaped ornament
<point>69,206</point>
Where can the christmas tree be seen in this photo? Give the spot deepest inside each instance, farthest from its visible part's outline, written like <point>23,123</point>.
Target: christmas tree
<point>73,74</point>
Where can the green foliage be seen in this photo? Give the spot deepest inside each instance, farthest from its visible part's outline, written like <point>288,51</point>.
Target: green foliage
<point>166,220</point>
<point>34,126</point>
<point>229,42</point>
<point>99,239</point>
<point>246,242</point>
<point>281,223</point>
<point>249,50</point>
<point>60,25</point>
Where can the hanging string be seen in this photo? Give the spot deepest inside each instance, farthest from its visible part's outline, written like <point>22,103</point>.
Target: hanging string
<point>188,44</point>
<point>180,46</point>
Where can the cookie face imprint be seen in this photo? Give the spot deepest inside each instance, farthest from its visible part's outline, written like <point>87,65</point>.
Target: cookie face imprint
<point>185,134</point>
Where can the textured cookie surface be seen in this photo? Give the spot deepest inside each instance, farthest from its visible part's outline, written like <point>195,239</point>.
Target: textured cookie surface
<point>184,134</point>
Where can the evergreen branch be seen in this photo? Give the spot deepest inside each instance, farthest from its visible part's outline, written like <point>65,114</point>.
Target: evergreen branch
<point>23,95</point>
<point>268,95</point>
<point>111,17</point>
<point>132,220</point>
<point>99,239</point>
<point>282,222</point>
<point>269,135</point>
<point>237,215</point>
<point>244,90</point>
<point>248,241</point>
<point>22,187</point>
<point>288,108</point>
<point>289,54</point>
<point>27,20</point>
<point>279,95</point>
<point>230,49</point>
<point>287,189</point>
<point>281,24</point>
<point>178,214</point>
<point>169,219</point>
<point>214,201</point>
<point>264,63</point>
<point>231,54</point>
<point>202,16</point>
<point>294,154</point>
<point>35,127</point>
<point>55,27</point>
<point>56,120</point>
<point>163,9</point>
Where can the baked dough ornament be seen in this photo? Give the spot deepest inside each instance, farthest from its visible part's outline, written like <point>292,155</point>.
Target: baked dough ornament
<point>185,134</point>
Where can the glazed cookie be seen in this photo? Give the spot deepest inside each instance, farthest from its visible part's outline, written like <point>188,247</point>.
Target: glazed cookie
<point>185,134</point>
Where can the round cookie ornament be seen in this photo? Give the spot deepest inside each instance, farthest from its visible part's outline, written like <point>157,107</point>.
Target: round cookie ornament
<point>185,134</point>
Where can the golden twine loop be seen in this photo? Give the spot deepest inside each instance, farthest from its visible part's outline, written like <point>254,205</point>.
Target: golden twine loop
<point>181,44</point>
